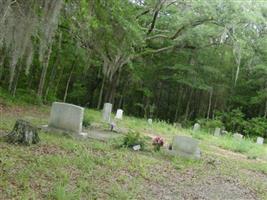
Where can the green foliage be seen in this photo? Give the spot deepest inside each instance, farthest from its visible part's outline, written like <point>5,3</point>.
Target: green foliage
<point>86,121</point>
<point>133,138</point>
<point>210,124</point>
<point>234,120</point>
<point>256,127</point>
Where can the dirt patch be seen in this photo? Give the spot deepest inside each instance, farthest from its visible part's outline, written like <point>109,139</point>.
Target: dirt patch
<point>47,150</point>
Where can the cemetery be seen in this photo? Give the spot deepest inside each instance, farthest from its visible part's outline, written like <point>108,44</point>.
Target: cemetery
<point>133,99</point>
<point>174,146</point>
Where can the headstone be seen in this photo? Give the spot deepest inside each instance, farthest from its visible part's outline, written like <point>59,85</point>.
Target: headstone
<point>224,132</point>
<point>177,125</point>
<point>260,140</point>
<point>196,127</point>
<point>186,146</point>
<point>119,114</point>
<point>107,112</point>
<point>217,132</point>
<point>149,121</point>
<point>67,117</point>
<point>136,147</point>
<point>237,136</point>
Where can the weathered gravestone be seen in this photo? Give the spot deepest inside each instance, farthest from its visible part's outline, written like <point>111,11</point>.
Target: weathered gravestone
<point>237,136</point>
<point>150,121</point>
<point>119,114</point>
<point>67,117</point>
<point>217,132</point>
<point>196,127</point>
<point>186,147</point>
<point>260,140</point>
<point>106,113</point>
<point>177,125</point>
<point>224,132</point>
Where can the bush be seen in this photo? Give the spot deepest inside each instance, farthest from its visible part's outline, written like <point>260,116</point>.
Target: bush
<point>86,121</point>
<point>234,120</point>
<point>210,123</point>
<point>256,127</point>
<point>132,139</point>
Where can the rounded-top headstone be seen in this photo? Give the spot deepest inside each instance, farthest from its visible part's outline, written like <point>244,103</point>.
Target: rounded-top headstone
<point>196,127</point>
<point>150,121</point>
<point>66,117</point>
<point>119,114</point>
<point>106,113</point>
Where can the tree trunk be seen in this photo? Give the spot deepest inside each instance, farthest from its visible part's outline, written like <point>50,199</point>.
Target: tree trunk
<point>44,71</point>
<point>23,133</point>
<point>101,93</point>
<point>265,112</point>
<point>209,106</point>
<point>68,82</point>
<point>188,105</point>
<point>16,81</point>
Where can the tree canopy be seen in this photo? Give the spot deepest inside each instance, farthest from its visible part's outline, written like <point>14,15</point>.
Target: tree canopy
<point>176,60</point>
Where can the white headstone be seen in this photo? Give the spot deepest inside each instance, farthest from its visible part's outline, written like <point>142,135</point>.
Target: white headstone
<point>196,127</point>
<point>66,117</point>
<point>149,121</point>
<point>217,132</point>
<point>237,136</point>
<point>119,114</point>
<point>106,113</point>
<point>260,140</point>
<point>136,147</point>
<point>186,146</point>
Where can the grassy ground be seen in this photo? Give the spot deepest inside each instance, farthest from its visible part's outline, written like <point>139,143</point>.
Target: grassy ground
<point>61,167</point>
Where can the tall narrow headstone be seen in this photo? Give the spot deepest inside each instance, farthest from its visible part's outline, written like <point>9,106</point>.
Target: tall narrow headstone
<point>149,121</point>
<point>196,127</point>
<point>119,114</point>
<point>217,132</point>
<point>66,117</point>
<point>106,113</point>
<point>260,140</point>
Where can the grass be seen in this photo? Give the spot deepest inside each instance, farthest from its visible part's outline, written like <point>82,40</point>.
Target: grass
<point>61,167</point>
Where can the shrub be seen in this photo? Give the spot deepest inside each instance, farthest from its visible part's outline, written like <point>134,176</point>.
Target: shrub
<point>256,126</point>
<point>234,120</point>
<point>210,123</point>
<point>132,139</point>
<point>86,121</point>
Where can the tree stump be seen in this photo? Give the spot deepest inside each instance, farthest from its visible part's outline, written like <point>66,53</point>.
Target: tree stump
<point>23,133</point>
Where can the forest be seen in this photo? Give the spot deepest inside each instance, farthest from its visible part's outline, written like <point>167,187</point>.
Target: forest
<point>180,61</point>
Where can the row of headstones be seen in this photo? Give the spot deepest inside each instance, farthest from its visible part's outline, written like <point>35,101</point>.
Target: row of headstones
<point>218,132</point>
<point>107,110</point>
<point>69,117</point>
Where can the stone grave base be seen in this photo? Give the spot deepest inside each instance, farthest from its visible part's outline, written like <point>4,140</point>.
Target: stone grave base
<point>46,128</point>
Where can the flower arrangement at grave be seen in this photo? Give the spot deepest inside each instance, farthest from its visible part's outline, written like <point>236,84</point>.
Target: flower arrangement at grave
<point>157,143</point>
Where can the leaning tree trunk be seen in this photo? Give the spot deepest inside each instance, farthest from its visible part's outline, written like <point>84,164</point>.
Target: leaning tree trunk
<point>23,133</point>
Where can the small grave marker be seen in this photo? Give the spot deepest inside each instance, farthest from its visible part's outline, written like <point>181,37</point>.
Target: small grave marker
<point>260,140</point>
<point>196,127</point>
<point>119,114</point>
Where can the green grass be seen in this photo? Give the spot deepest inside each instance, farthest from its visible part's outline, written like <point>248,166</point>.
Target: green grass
<point>61,167</point>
